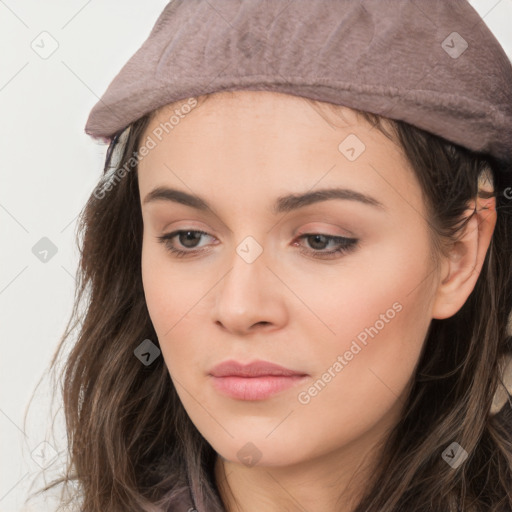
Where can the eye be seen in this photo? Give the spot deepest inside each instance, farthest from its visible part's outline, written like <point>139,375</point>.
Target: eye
<point>318,241</point>
<point>188,238</point>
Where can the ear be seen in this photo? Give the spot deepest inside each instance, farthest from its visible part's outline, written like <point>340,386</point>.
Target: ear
<point>461,268</point>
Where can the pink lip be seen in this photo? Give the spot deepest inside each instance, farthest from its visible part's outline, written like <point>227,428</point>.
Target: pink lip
<point>255,381</point>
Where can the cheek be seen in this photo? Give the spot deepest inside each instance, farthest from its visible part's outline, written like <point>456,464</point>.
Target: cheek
<point>380,318</point>
<point>169,294</point>
<point>377,294</point>
<point>177,301</point>
<point>158,298</point>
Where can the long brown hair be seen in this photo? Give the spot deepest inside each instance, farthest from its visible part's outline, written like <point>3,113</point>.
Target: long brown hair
<point>131,444</point>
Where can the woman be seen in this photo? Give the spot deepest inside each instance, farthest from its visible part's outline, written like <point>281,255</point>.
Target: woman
<point>297,266</point>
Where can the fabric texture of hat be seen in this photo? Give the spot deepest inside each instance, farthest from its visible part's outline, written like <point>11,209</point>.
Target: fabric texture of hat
<point>435,64</point>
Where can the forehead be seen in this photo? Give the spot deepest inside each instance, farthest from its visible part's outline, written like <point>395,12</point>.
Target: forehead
<point>239,103</point>
<point>280,121</point>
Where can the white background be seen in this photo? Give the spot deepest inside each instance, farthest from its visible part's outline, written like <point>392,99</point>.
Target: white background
<point>49,167</point>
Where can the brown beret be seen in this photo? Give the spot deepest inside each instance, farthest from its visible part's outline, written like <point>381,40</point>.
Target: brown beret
<point>433,64</point>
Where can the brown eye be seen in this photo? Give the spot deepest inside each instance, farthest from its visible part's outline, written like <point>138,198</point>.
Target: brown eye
<point>319,241</point>
<point>187,238</point>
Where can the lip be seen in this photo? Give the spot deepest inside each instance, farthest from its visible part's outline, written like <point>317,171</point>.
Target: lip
<point>258,368</point>
<point>254,381</point>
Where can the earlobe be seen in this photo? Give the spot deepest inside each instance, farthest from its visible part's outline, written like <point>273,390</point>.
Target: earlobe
<point>462,266</point>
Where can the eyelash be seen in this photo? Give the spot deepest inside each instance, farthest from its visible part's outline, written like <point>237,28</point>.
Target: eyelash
<point>347,244</point>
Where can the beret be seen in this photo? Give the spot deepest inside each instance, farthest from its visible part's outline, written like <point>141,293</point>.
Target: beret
<point>434,64</point>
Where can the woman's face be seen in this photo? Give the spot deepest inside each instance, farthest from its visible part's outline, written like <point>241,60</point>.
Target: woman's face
<point>254,287</point>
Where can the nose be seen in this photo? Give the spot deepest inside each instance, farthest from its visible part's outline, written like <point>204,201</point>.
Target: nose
<point>250,298</point>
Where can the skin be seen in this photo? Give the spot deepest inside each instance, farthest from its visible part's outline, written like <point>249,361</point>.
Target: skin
<point>241,151</point>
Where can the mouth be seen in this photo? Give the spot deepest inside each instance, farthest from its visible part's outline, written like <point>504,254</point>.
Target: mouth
<point>258,380</point>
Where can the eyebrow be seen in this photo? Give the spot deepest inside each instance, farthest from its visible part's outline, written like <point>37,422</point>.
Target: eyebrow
<point>283,204</point>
